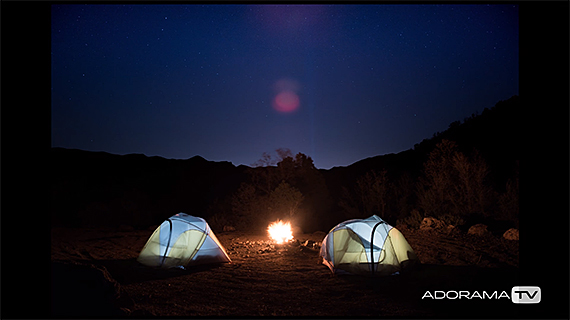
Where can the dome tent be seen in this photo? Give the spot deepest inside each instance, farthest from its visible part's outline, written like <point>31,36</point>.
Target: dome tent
<point>182,240</point>
<point>351,246</point>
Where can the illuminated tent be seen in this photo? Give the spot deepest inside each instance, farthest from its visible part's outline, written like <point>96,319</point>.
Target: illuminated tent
<point>182,240</point>
<point>366,246</point>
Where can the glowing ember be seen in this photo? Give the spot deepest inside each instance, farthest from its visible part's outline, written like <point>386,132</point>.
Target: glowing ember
<point>280,232</point>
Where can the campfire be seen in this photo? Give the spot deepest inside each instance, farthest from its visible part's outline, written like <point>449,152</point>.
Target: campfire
<point>280,231</point>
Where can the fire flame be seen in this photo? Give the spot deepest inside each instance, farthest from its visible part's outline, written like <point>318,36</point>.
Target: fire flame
<point>280,231</point>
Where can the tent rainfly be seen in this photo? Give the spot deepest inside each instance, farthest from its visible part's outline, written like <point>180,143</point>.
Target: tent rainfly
<point>366,246</point>
<point>182,240</point>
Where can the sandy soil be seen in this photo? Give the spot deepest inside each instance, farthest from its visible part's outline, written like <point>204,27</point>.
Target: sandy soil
<point>288,280</point>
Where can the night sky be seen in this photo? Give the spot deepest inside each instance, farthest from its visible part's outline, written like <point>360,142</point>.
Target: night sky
<point>338,83</point>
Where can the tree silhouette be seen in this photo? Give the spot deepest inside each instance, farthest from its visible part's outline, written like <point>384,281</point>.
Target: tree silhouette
<point>471,192</point>
<point>369,196</point>
<point>269,171</point>
<point>284,200</point>
<point>435,187</point>
<point>277,189</point>
<point>454,186</point>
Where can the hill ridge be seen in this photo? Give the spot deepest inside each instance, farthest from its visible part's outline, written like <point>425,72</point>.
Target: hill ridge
<point>91,187</point>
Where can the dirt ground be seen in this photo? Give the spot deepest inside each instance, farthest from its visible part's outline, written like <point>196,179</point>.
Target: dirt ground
<point>265,279</point>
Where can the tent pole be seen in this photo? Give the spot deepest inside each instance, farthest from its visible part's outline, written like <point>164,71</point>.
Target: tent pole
<point>372,246</point>
<point>168,243</point>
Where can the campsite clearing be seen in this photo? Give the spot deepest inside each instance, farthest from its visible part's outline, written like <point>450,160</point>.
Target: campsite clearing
<point>265,279</point>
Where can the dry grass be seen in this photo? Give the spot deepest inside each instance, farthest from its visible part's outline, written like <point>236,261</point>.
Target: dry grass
<point>288,280</point>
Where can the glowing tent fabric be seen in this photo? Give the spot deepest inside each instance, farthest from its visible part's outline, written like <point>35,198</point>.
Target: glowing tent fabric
<point>366,246</point>
<point>182,240</point>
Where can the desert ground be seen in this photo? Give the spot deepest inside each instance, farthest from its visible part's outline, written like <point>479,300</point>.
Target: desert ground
<point>95,274</point>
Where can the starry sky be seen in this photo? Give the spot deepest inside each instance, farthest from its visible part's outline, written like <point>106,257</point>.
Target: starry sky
<point>339,83</point>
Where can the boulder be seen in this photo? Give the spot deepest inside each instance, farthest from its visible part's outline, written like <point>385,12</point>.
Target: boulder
<point>478,230</point>
<point>511,234</point>
<point>429,223</point>
<point>229,229</point>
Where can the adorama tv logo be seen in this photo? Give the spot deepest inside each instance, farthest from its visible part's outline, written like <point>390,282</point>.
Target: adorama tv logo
<point>525,294</point>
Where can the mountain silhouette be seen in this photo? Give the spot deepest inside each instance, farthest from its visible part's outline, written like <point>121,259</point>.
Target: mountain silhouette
<point>496,133</point>
<point>99,188</point>
<point>102,189</point>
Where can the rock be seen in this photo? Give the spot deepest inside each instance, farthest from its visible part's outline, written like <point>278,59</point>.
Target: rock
<point>478,230</point>
<point>229,229</point>
<point>511,234</point>
<point>309,243</point>
<point>429,223</point>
